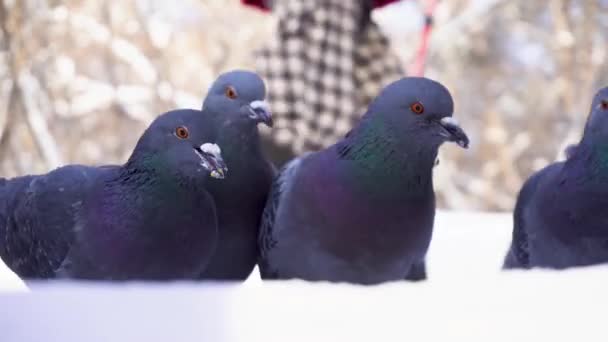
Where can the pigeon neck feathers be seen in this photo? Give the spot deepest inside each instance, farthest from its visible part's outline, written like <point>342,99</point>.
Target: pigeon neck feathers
<point>233,134</point>
<point>386,160</point>
<point>153,171</point>
<point>590,159</point>
<point>591,154</point>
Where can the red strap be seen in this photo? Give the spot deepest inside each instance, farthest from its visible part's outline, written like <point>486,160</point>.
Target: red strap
<point>417,68</point>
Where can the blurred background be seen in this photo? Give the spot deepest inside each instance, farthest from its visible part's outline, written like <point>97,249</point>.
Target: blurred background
<point>80,80</point>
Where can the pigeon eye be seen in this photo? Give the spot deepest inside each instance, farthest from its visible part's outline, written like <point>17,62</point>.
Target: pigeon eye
<point>417,108</point>
<point>231,93</point>
<point>604,104</point>
<point>182,132</point>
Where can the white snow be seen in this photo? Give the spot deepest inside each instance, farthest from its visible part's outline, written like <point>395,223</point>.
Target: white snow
<point>467,298</point>
<point>9,282</point>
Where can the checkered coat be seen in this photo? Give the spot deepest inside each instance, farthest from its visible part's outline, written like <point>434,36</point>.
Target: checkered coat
<point>324,64</point>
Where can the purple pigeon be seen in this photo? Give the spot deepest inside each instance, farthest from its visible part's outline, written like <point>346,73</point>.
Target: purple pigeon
<point>560,217</point>
<point>234,106</point>
<point>362,210</point>
<point>149,219</point>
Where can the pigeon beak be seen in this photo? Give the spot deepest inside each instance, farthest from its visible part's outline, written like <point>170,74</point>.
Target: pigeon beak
<point>259,111</point>
<point>211,159</point>
<point>451,131</point>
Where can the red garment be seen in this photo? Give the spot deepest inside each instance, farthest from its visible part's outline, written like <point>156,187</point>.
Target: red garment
<point>380,3</point>
<point>260,3</point>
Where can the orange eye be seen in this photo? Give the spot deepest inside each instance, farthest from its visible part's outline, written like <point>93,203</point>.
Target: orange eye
<point>182,132</point>
<point>231,93</point>
<point>417,108</point>
<point>604,104</point>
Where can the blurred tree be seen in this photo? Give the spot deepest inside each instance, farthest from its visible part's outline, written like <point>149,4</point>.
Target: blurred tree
<point>79,80</point>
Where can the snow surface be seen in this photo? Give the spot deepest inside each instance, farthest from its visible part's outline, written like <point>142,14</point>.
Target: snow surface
<point>467,298</point>
<point>9,282</point>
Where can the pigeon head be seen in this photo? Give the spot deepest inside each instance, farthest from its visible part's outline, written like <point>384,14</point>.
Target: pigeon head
<point>597,123</point>
<point>180,141</point>
<point>421,107</point>
<point>238,97</point>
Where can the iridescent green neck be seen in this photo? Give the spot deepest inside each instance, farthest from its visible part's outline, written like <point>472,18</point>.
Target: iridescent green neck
<point>599,159</point>
<point>239,139</point>
<point>152,173</point>
<point>388,163</point>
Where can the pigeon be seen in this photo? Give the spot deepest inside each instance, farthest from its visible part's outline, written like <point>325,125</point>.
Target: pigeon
<point>234,106</point>
<point>560,219</point>
<point>362,210</point>
<point>37,216</point>
<point>149,219</point>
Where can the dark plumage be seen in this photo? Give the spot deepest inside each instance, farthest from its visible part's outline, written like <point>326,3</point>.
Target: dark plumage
<point>362,210</point>
<point>560,216</point>
<point>37,215</point>
<point>234,106</point>
<point>150,218</point>
<point>569,151</point>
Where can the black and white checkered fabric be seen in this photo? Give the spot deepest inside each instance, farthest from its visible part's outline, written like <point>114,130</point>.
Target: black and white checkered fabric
<point>326,61</point>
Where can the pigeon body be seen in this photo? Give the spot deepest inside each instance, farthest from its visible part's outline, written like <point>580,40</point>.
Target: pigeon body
<point>37,214</point>
<point>234,106</point>
<point>149,219</point>
<point>362,210</point>
<point>560,217</point>
<point>569,150</point>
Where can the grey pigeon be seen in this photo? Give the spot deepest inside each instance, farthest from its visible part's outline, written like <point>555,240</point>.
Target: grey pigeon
<point>560,218</point>
<point>149,219</point>
<point>234,106</point>
<point>362,210</point>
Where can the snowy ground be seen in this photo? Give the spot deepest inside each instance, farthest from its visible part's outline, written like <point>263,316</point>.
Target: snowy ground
<point>466,299</point>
